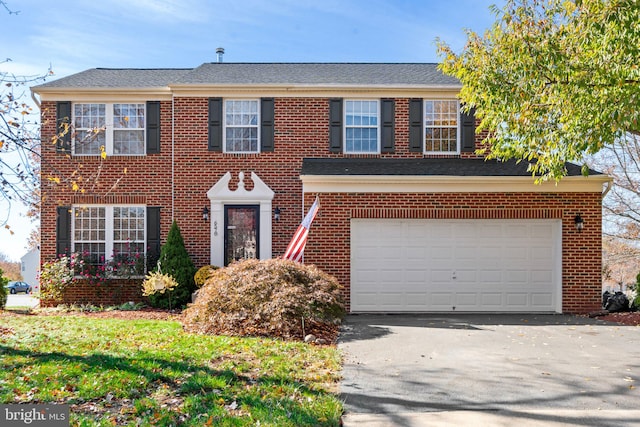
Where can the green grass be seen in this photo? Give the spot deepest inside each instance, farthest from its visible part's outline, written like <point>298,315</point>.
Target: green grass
<point>151,373</point>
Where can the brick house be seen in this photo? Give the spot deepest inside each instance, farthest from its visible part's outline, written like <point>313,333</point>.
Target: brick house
<point>410,219</point>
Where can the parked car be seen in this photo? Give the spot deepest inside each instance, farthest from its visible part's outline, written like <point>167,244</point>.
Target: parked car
<point>15,287</point>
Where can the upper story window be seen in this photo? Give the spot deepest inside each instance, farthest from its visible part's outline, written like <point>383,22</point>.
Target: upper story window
<point>241,130</point>
<point>119,128</point>
<point>361,130</point>
<point>441,126</point>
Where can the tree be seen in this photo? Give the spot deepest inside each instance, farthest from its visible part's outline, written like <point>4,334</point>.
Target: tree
<point>11,269</point>
<point>621,206</point>
<point>552,80</point>
<point>621,211</point>
<point>175,261</point>
<point>19,141</point>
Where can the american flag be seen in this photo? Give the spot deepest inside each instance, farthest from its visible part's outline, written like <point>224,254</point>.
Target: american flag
<point>296,246</point>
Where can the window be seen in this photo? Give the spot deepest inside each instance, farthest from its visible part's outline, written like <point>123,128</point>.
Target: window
<point>441,126</point>
<point>103,233</point>
<point>119,128</point>
<point>241,126</point>
<point>361,127</point>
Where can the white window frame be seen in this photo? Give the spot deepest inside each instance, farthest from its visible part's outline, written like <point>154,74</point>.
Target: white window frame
<point>109,241</point>
<point>345,126</point>
<point>225,125</point>
<point>424,126</point>
<point>110,128</point>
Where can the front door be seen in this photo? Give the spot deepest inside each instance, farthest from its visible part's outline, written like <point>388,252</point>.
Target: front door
<point>241,233</point>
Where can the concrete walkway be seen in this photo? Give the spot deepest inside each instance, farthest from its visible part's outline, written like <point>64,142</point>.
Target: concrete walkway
<point>493,370</point>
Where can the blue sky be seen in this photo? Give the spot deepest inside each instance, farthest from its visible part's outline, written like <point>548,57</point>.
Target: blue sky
<point>74,35</point>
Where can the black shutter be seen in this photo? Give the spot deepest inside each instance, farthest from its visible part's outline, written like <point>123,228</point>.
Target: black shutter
<point>388,121</point>
<point>215,124</point>
<point>63,230</point>
<point>468,131</point>
<point>153,237</point>
<point>415,126</point>
<point>63,116</point>
<point>266,128</point>
<point>153,127</point>
<point>335,125</point>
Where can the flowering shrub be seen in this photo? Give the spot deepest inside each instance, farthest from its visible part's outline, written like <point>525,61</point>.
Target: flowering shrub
<point>96,270</point>
<point>265,298</point>
<point>55,276</point>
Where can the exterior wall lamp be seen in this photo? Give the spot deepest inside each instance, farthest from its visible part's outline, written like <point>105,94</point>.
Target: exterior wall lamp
<point>276,214</point>
<point>205,214</point>
<point>579,222</point>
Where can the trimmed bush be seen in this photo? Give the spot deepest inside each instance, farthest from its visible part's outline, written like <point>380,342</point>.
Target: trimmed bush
<point>265,298</point>
<point>203,274</point>
<point>175,262</point>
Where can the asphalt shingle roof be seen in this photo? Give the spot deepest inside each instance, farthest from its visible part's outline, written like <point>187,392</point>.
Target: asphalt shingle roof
<point>118,78</point>
<point>304,74</point>
<point>319,74</point>
<point>422,167</point>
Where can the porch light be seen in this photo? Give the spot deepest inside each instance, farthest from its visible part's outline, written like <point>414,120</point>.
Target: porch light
<point>276,214</point>
<point>205,214</point>
<point>579,222</point>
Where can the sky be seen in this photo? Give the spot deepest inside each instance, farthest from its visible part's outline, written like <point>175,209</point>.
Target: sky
<point>74,35</point>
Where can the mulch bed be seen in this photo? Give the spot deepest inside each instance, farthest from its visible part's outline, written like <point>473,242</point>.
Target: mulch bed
<point>624,318</point>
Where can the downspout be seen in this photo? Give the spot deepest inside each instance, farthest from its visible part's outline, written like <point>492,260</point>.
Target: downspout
<point>173,163</point>
<point>608,184</point>
<point>33,96</point>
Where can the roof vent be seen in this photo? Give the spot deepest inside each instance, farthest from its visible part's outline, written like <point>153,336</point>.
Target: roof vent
<point>220,52</point>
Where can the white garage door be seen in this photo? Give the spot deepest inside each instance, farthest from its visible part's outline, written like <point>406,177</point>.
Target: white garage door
<point>455,265</point>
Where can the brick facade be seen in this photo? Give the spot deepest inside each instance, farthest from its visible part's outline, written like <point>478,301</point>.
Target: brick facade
<point>301,131</point>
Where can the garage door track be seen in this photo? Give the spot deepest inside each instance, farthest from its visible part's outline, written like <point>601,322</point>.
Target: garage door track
<point>507,369</point>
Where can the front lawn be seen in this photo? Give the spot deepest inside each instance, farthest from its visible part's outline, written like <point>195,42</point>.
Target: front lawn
<point>151,373</point>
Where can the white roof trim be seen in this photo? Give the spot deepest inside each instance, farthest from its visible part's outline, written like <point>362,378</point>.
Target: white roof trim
<point>448,184</point>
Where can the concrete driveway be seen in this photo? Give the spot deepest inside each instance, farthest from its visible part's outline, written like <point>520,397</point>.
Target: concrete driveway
<point>491,370</point>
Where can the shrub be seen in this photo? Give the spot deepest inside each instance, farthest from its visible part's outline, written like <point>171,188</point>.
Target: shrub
<point>203,274</point>
<point>635,302</point>
<point>3,291</point>
<point>265,298</point>
<point>175,261</point>
<point>55,276</point>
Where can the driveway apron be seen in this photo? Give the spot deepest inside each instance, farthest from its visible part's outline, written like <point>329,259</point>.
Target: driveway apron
<point>494,369</point>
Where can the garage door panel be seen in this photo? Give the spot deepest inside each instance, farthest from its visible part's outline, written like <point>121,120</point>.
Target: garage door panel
<point>391,277</point>
<point>541,299</point>
<point>465,276</point>
<point>490,277</point>
<point>492,300</point>
<point>466,299</point>
<point>517,300</point>
<point>472,265</point>
<point>440,299</point>
<point>417,300</point>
